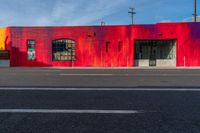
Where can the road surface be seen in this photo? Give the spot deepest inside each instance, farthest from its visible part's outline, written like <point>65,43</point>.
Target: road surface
<point>99,111</point>
<point>38,100</point>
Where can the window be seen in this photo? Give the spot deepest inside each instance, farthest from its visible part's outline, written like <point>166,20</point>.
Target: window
<point>31,50</point>
<point>63,50</point>
<point>161,49</point>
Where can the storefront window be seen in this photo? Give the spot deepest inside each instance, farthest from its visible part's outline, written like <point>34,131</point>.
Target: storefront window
<point>63,50</point>
<point>31,50</point>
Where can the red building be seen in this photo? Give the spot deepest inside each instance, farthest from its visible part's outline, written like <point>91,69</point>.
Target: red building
<point>162,44</point>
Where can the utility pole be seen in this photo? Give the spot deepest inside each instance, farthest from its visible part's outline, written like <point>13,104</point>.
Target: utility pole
<point>195,10</point>
<point>132,12</point>
<point>103,23</point>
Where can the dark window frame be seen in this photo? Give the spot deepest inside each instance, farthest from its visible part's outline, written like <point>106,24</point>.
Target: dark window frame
<point>29,47</point>
<point>63,49</point>
<point>138,54</point>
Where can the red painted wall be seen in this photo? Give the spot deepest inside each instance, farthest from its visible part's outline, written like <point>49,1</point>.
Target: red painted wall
<point>186,34</point>
<point>91,43</point>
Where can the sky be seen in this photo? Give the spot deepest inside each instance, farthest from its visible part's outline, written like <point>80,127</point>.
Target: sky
<point>92,12</point>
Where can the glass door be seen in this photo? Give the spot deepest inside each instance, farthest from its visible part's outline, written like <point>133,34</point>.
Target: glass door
<point>152,59</point>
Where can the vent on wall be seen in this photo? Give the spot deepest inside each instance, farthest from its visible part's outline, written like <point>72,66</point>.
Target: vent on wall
<point>120,46</point>
<point>107,46</point>
<point>89,35</point>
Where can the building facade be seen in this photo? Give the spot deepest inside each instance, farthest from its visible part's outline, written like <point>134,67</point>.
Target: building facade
<point>162,44</point>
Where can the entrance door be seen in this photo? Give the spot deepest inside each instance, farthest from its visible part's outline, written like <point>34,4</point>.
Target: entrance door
<point>152,58</point>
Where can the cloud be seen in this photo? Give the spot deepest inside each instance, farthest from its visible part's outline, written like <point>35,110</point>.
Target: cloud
<point>191,19</point>
<point>59,12</point>
<point>89,12</point>
<point>164,21</point>
<point>83,12</point>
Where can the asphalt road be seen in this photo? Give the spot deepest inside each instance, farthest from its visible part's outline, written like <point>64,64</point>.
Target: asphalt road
<point>97,111</point>
<point>99,78</point>
<point>38,100</point>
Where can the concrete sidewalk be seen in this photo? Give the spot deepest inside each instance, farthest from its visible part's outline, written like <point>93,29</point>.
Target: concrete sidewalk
<point>99,78</point>
<point>106,68</point>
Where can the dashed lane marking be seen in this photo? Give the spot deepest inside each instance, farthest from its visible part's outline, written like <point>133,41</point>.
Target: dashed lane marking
<point>59,111</point>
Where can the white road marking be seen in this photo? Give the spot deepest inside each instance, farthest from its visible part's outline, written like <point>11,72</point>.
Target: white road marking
<point>135,75</point>
<point>102,89</point>
<point>63,111</point>
<point>43,70</point>
<point>85,74</point>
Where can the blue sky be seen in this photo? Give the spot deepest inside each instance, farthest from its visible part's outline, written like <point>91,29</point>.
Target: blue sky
<point>92,12</point>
